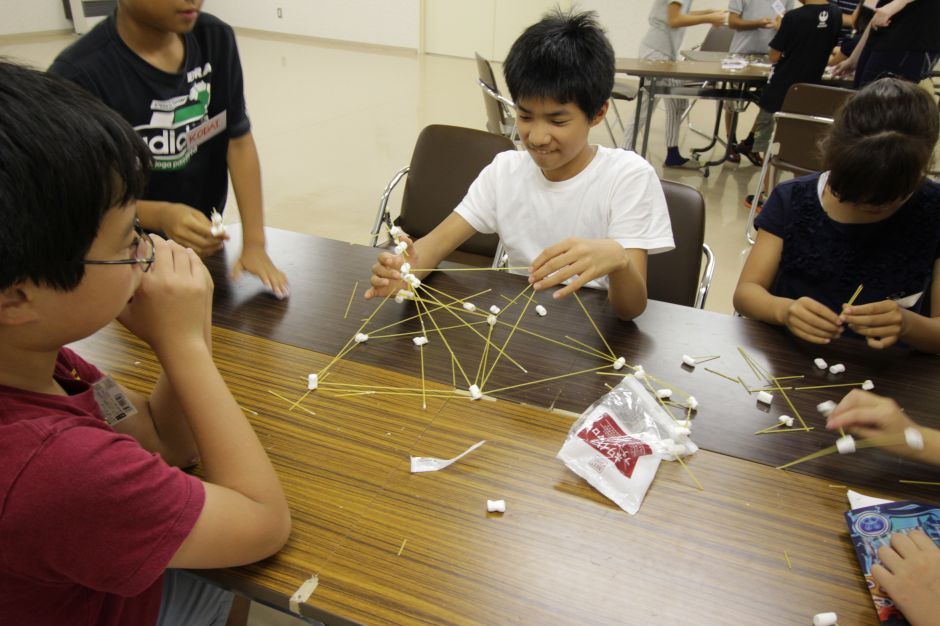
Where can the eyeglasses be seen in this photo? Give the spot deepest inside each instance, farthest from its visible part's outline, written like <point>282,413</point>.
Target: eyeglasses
<point>144,251</point>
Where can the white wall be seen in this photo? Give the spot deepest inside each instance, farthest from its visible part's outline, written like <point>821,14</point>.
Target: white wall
<point>380,22</point>
<point>32,16</point>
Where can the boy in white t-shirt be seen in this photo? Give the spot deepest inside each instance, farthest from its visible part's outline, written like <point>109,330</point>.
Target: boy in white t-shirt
<point>569,210</point>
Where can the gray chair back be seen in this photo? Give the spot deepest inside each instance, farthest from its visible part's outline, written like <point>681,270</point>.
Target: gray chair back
<point>675,276</point>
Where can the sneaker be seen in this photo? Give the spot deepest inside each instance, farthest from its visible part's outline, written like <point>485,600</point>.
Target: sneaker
<point>688,164</point>
<point>746,148</point>
<point>749,201</point>
<point>733,155</point>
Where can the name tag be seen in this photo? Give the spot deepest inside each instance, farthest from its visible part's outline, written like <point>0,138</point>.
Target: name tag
<point>114,405</point>
<point>207,130</point>
<point>778,7</point>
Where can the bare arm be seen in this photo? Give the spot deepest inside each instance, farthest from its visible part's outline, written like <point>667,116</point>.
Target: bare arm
<point>677,19</point>
<point>736,22</point>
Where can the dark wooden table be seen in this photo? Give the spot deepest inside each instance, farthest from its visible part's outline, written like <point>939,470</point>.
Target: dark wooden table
<point>394,547</point>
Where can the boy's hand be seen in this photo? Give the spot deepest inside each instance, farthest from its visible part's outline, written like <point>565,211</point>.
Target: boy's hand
<point>191,229</point>
<point>386,279</point>
<point>881,323</point>
<point>255,260</point>
<point>846,68</point>
<point>812,321</point>
<point>868,415</point>
<point>767,22</point>
<point>717,18</point>
<point>169,307</point>
<point>586,258</point>
<point>910,574</point>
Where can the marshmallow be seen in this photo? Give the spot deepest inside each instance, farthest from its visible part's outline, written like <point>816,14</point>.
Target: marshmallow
<point>785,420</point>
<point>639,373</point>
<point>405,268</point>
<point>399,299</point>
<point>400,247</point>
<point>619,363</point>
<point>394,231</point>
<point>420,341</point>
<point>845,445</point>
<point>686,359</point>
<point>868,385</point>
<point>217,231</point>
<point>826,408</point>
<point>664,394</point>
<point>820,363</point>
<point>825,619</point>
<point>913,438</point>
<point>491,320</point>
<point>404,294</point>
<point>475,392</point>
<point>765,397</point>
<point>541,310</point>
<point>692,403</point>
<point>361,338</point>
<point>496,506</point>
<point>469,306</point>
<point>494,310</point>
<point>412,280</point>
<point>838,368</point>
<point>312,381</point>
<point>681,430</point>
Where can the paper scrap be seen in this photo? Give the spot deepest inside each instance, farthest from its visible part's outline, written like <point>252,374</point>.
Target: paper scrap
<point>430,464</point>
<point>858,500</point>
<point>303,593</point>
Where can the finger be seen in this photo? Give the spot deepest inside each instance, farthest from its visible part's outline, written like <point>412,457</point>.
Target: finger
<point>883,577</point>
<point>237,270</point>
<point>811,327</point>
<point>890,559</point>
<point>873,318</point>
<point>369,294</point>
<point>571,287</point>
<point>381,271</point>
<point>877,331</point>
<point>550,266</point>
<point>903,545</point>
<point>820,310</point>
<point>548,253</point>
<point>859,418</point>
<point>922,541</point>
<point>881,344</point>
<point>378,282</point>
<point>809,338</point>
<point>558,276</point>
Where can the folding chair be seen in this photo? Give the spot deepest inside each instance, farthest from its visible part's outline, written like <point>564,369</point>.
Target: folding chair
<point>802,122</point>
<point>677,276</point>
<point>499,109</point>
<point>445,161</point>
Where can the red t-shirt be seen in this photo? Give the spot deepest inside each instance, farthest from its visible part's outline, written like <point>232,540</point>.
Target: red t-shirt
<point>88,518</point>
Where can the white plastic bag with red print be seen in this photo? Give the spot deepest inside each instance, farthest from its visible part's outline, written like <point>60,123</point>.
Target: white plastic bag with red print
<point>617,443</point>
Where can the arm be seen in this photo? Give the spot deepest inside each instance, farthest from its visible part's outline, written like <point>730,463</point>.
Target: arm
<point>805,318</point>
<point>245,170</point>
<point>848,66</point>
<point>883,15</point>
<point>181,223</point>
<point>426,253</point>
<point>737,23</point>
<point>677,19</point>
<point>884,323</point>
<point>244,516</point>
<point>774,55</point>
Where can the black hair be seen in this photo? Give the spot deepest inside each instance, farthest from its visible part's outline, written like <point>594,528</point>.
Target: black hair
<point>65,160</point>
<point>881,143</point>
<point>566,57</point>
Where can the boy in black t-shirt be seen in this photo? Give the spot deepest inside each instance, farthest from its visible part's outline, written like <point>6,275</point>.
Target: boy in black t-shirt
<point>799,52</point>
<point>176,77</point>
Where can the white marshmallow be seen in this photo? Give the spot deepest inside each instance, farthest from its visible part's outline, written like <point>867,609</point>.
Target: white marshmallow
<point>312,381</point>
<point>825,619</point>
<point>868,385</point>
<point>838,368</point>
<point>404,294</point>
<point>820,363</point>
<point>913,438</point>
<point>400,247</point>
<point>826,408</point>
<point>217,231</point>
<point>399,299</point>
<point>619,363</point>
<point>361,338</point>
<point>394,231</point>
<point>665,394</point>
<point>785,420</point>
<point>496,506</point>
<point>412,280</point>
<point>475,393</point>
<point>494,309</point>
<point>420,341</point>
<point>491,320</point>
<point>845,445</point>
<point>688,360</point>
<point>469,306</point>
<point>682,430</point>
<point>541,310</point>
<point>765,397</point>
<point>692,403</point>
<point>405,268</point>
<point>639,373</point>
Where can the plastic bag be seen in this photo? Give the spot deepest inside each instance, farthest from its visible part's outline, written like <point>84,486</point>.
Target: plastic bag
<point>617,443</point>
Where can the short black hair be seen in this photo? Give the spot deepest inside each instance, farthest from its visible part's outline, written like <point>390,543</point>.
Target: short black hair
<point>566,57</point>
<point>65,160</point>
<point>881,143</point>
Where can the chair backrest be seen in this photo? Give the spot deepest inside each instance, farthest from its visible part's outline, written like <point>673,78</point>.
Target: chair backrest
<point>799,139</point>
<point>717,39</point>
<point>445,161</point>
<point>674,276</point>
<point>495,116</point>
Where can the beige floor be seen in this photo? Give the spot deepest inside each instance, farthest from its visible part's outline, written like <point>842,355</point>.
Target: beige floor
<point>333,122</point>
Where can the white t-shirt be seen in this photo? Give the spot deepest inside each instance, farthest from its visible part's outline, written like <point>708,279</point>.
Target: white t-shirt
<point>617,196</point>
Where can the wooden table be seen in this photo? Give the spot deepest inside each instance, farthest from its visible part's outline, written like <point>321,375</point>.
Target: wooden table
<point>394,547</point>
<point>722,85</point>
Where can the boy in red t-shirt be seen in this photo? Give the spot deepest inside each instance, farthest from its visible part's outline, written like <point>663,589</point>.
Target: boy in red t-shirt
<point>91,510</point>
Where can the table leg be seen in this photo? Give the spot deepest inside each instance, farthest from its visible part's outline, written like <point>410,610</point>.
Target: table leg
<point>636,115</point>
<point>649,115</point>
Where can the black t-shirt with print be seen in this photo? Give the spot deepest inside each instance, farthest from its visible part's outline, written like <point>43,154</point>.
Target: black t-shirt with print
<point>806,37</point>
<point>165,108</point>
<point>916,27</point>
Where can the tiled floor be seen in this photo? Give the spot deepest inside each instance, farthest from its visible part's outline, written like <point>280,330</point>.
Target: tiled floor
<point>334,122</point>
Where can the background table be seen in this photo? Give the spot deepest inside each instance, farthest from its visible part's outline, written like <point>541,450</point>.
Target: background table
<point>562,552</point>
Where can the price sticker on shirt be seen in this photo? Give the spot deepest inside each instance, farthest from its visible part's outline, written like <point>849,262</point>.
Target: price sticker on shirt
<point>112,401</point>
